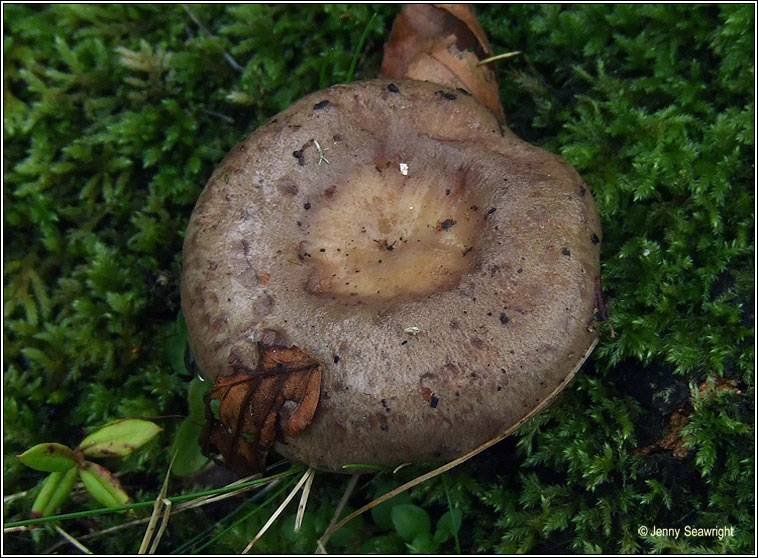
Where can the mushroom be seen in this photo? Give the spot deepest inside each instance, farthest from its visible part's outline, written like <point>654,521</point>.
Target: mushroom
<point>439,270</point>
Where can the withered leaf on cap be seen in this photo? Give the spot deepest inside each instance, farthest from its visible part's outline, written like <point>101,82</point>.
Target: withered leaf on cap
<point>243,425</point>
<point>442,43</point>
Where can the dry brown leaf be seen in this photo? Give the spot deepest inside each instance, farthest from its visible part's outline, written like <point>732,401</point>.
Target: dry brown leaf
<point>442,43</point>
<point>465,14</point>
<point>244,425</point>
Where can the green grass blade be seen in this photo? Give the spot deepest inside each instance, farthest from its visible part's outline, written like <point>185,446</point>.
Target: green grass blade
<point>358,49</point>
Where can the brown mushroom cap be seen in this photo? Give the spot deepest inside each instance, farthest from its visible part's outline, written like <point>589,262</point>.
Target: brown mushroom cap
<point>441,269</point>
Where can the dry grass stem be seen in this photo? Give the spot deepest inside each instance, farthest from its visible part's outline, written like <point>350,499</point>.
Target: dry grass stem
<point>164,523</point>
<point>279,510</point>
<point>156,510</point>
<point>454,463</point>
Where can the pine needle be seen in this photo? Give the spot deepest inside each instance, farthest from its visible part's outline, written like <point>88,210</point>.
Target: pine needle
<point>72,540</point>
<point>499,57</point>
<point>311,472</point>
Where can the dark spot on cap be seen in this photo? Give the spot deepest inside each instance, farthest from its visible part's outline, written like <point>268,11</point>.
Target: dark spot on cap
<point>447,191</point>
<point>392,87</point>
<point>434,401</point>
<point>446,224</point>
<point>404,342</point>
<point>307,205</point>
<point>491,210</point>
<point>319,106</point>
<point>337,137</point>
<point>384,427</point>
<point>287,186</point>
<point>336,359</point>
<point>582,190</point>
<point>565,251</point>
<point>595,239</point>
<point>503,318</point>
<point>445,95</point>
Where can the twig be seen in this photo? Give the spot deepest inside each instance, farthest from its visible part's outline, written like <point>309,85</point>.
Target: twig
<point>10,497</point>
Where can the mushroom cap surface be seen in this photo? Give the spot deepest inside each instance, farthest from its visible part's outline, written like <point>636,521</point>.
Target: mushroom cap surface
<point>441,269</point>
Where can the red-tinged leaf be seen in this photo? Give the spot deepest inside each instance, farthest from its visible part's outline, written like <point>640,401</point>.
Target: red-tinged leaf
<point>243,409</point>
<point>119,438</point>
<point>49,457</point>
<point>102,485</point>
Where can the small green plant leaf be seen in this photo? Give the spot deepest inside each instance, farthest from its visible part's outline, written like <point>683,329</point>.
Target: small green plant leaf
<point>55,490</point>
<point>49,457</point>
<point>197,389</point>
<point>102,485</point>
<point>119,438</point>
<point>343,536</point>
<point>383,544</point>
<point>448,525</point>
<point>410,521</point>
<point>381,515</point>
<point>189,456</point>
<point>423,543</point>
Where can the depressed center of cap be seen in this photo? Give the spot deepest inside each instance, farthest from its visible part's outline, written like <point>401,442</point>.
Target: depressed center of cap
<point>391,232</point>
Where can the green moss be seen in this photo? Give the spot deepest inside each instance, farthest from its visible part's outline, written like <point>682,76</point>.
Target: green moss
<point>115,116</point>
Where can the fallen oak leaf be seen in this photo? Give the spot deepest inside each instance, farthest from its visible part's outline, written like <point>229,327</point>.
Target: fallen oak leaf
<point>242,423</point>
<point>442,43</point>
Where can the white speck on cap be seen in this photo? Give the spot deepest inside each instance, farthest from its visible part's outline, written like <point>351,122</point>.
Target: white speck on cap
<point>403,169</point>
